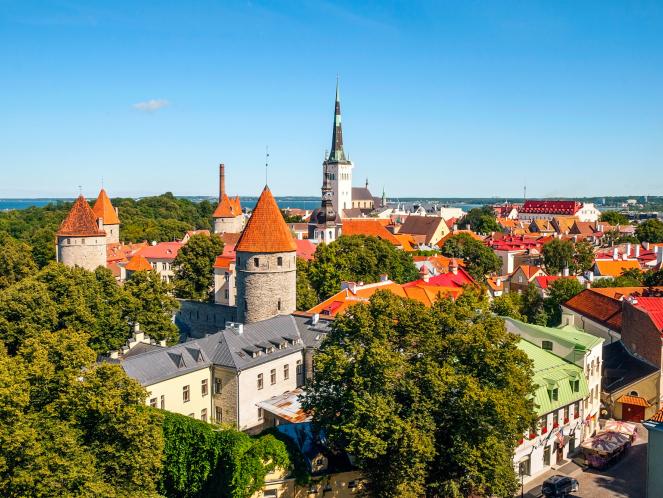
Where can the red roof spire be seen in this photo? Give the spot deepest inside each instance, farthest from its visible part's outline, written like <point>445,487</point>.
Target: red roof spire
<point>105,210</point>
<point>80,221</point>
<point>266,230</point>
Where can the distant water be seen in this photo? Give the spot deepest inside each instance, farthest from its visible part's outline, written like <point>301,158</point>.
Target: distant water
<point>309,203</point>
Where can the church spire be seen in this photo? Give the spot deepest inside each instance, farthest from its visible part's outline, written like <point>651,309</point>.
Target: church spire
<point>337,153</point>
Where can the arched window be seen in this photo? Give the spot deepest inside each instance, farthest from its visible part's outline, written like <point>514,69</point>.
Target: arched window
<point>633,393</point>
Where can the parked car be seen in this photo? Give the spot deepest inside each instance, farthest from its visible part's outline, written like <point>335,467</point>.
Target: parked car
<point>559,486</point>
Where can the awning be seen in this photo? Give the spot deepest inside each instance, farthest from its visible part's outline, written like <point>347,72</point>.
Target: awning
<point>634,400</point>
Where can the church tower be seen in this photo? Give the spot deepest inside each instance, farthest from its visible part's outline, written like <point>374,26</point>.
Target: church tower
<point>325,224</point>
<point>338,166</point>
<point>81,239</point>
<point>266,264</point>
<point>103,208</point>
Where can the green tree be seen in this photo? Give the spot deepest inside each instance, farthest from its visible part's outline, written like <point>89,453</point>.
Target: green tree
<point>479,259</point>
<point>480,220</point>
<point>431,401</point>
<point>152,306</point>
<point>508,304</point>
<point>194,267</point>
<point>358,258</point>
<point>614,218</point>
<point>306,296</point>
<point>583,257</point>
<point>533,306</point>
<point>16,261</point>
<point>560,291</point>
<point>650,231</point>
<point>652,278</point>
<point>557,255</point>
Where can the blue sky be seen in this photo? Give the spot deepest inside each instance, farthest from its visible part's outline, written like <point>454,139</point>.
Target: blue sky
<point>439,98</point>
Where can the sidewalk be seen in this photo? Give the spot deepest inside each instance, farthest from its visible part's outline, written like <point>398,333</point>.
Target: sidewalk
<point>533,487</point>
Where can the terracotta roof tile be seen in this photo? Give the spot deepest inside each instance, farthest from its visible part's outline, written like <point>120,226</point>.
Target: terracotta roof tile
<point>266,230</point>
<point>225,209</point>
<point>371,227</point>
<point>223,261</point>
<point>634,400</point>
<point>658,416</point>
<point>138,263</point>
<point>654,308</point>
<point>162,250</point>
<point>614,268</point>
<point>104,209</point>
<point>602,309</point>
<point>81,221</point>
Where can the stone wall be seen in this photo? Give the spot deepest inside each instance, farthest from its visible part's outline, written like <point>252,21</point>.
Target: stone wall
<point>196,318</point>
<point>228,225</point>
<point>112,233</point>
<point>265,288</point>
<point>226,399</point>
<point>640,335</point>
<point>86,252</point>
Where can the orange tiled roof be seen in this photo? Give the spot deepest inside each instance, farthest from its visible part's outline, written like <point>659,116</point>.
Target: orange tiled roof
<point>105,210</point>
<point>371,227</point>
<point>225,209</point>
<point>138,263</point>
<point>597,307</point>
<point>223,261</point>
<point>406,241</point>
<point>266,230</point>
<point>529,270</point>
<point>620,292</point>
<point>614,268</point>
<point>441,242</point>
<point>658,416</point>
<point>634,400</point>
<point>81,221</point>
<point>237,205</point>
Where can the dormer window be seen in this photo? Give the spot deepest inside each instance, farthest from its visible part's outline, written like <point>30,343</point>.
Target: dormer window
<point>547,345</point>
<point>553,393</point>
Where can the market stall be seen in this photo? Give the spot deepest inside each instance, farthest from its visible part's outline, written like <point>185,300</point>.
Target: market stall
<point>605,448</point>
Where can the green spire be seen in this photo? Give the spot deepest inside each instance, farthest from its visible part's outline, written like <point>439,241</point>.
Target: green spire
<point>337,153</point>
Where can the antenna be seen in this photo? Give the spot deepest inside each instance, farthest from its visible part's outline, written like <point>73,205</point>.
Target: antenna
<point>266,161</point>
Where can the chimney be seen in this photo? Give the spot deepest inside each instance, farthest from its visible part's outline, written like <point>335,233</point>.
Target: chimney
<point>384,277</point>
<point>659,255</point>
<point>646,246</point>
<point>222,180</point>
<point>100,223</point>
<point>615,253</point>
<point>628,250</point>
<point>426,277</point>
<point>637,250</point>
<point>565,272</point>
<point>590,276</point>
<point>455,227</point>
<point>236,328</point>
<point>351,286</point>
<point>315,318</point>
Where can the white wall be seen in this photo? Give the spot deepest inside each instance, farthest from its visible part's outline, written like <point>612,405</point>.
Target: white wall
<point>249,394</point>
<point>172,389</point>
<point>341,185</point>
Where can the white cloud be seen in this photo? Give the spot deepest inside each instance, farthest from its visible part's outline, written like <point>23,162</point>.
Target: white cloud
<point>151,105</point>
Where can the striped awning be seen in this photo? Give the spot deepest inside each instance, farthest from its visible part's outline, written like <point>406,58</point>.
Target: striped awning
<point>634,400</point>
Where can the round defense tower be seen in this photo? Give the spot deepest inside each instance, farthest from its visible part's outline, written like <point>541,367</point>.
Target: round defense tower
<point>80,240</point>
<point>266,264</point>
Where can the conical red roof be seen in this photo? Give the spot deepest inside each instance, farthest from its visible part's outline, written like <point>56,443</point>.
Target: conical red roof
<point>266,230</point>
<point>80,221</point>
<point>104,209</point>
<point>225,209</point>
<point>138,263</point>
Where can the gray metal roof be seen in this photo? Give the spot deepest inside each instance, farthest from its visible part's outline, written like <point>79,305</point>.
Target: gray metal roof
<point>259,343</point>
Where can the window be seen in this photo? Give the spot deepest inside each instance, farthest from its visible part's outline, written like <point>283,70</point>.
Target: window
<point>272,376</point>
<point>543,423</point>
<point>546,456</point>
<point>286,371</point>
<point>163,402</point>
<point>203,414</point>
<point>218,385</point>
<point>279,261</point>
<point>575,385</point>
<point>260,381</point>
<point>246,305</point>
<point>554,394</point>
<point>576,409</point>
<point>555,419</point>
<point>278,305</point>
<point>185,394</point>
<point>203,387</point>
<point>300,367</point>
<point>218,413</point>
<point>256,262</point>
<point>153,402</point>
<point>260,414</point>
<point>566,414</point>
<point>226,294</point>
<point>633,393</point>
<point>547,345</point>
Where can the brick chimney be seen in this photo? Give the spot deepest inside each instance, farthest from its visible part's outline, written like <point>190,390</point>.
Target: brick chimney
<point>222,180</point>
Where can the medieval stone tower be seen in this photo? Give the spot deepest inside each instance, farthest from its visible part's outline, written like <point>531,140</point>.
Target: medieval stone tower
<point>228,214</point>
<point>104,210</point>
<point>81,239</point>
<point>266,264</point>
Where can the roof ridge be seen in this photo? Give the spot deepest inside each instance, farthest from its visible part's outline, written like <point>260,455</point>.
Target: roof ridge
<point>80,221</point>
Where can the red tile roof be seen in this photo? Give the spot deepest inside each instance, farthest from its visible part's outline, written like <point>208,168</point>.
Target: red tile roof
<point>597,307</point>
<point>223,261</point>
<point>551,207</point>
<point>305,249</point>
<point>162,250</point>
<point>529,270</point>
<point>545,280</point>
<point>81,221</point>
<point>654,308</point>
<point>225,209</point>
<point>370,227</point>
<point>266,230</point>
<point>633,400</point>
<point>104,209</point>
<point>454,280</point>
<point>138,263</point>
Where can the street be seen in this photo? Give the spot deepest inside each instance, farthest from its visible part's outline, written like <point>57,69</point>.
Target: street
<point>625,479</point>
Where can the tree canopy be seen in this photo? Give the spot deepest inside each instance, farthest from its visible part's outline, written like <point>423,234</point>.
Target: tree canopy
<point>306,295</point>
<point>558,255</point>
<point>650,231</point>
<point>431,401</point>
<point>614,218</point>
<point>560,291</point>
<point>357,258</point>
<point>194,266</point>
<point>16,261</point>
<point>479,259</point>
<point>480,220</point>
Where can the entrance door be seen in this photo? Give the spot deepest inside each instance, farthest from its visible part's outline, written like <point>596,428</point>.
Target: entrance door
<point>559,450</point>
<point>633,413</point>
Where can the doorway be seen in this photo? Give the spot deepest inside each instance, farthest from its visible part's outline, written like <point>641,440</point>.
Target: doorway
<point>633,413</point>
<point>559,453</point>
